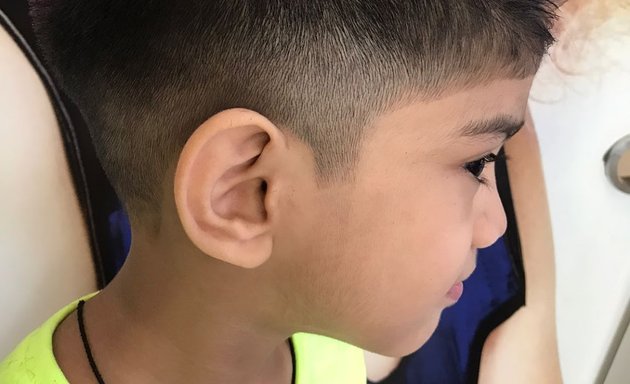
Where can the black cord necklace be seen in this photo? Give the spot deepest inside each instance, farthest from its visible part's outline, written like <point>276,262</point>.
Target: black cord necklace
<point>97,374</point>
<point>86,345</point>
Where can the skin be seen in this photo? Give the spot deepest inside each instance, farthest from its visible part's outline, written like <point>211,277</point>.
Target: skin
<point>252,248</point>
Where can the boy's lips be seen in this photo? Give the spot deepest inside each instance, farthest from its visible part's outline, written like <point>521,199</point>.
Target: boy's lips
<point>456,291</point>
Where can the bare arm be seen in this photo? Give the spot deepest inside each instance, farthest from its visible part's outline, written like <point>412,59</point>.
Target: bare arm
<point>524,348</point>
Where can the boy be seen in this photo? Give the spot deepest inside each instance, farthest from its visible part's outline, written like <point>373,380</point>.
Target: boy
<point>291,169</point>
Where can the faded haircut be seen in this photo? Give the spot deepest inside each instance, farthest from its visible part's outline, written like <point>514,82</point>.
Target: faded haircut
<point>146,74</point>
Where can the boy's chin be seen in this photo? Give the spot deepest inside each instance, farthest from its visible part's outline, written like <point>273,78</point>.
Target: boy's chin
<point>403,344</point>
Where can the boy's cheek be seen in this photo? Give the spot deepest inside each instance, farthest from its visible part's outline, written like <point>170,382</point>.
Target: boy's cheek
<point>394,291</point>
<point>381,264</point>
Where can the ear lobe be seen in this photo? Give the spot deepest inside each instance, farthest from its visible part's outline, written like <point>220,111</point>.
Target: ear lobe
<point>221,191</point>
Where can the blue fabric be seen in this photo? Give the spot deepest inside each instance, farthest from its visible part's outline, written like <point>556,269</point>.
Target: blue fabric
<point>120,235</point>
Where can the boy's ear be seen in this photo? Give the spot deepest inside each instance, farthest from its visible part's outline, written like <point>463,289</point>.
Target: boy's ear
<point>225,186</point>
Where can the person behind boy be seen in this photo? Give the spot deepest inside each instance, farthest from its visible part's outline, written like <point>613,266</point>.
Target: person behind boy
<point>291,169</point>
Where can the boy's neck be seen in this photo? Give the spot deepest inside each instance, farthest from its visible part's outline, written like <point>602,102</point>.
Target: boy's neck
<point>154,324</point>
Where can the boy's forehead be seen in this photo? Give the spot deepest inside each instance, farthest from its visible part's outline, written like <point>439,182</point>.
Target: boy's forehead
<point>495,110</point>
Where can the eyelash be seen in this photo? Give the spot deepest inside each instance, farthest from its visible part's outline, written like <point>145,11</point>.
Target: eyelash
<point>477,167</point>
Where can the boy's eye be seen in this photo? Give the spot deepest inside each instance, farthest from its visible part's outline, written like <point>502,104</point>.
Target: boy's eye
<point>476,167</point>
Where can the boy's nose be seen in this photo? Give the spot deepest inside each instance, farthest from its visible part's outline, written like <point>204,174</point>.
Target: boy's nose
<point>491,222</point>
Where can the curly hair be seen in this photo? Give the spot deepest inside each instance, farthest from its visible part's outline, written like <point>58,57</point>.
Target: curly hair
<point>582,26</point>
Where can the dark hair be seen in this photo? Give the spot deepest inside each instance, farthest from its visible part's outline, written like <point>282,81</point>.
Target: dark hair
<point>146,74</point>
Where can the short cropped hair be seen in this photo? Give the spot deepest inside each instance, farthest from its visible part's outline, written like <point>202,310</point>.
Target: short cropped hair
<point>146,74</point>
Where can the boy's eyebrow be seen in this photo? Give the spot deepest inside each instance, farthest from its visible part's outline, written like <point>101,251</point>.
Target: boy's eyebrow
<point>502,126</point>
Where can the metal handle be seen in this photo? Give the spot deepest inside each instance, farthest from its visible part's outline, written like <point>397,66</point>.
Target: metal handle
<point>617,164</point>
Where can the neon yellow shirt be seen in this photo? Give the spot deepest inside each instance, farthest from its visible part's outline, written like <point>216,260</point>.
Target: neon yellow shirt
<point>319,360</point>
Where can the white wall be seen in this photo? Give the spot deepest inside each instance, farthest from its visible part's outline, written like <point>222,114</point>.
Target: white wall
<point>578,118</point>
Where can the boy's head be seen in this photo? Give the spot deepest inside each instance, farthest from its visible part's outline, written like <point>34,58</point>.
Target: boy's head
<point>322,149</point>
